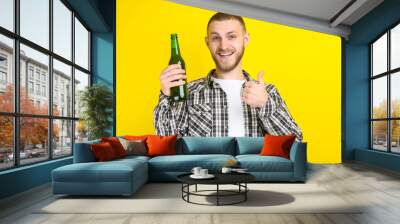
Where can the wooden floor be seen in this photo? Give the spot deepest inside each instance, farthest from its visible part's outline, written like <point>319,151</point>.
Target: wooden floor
<point>377,188</point>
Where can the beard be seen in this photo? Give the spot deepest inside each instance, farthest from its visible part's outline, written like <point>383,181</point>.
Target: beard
<point>230,63</point>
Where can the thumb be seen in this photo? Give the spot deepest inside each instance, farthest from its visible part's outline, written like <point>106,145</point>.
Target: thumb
<point>260,77</point>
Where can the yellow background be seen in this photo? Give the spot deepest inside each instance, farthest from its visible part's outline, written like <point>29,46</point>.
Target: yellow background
<point>305,66</point>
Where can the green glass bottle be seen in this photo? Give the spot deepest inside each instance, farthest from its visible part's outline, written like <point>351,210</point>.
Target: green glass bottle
<point>178,93</point>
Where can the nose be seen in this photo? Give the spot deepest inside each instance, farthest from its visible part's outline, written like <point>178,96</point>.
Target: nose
<point>223,44</point>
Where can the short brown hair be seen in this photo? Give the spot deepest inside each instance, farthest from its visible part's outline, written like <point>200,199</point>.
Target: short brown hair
<point>219,16</point>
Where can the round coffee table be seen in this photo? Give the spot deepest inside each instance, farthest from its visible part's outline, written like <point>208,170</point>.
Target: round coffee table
<point>238,179</point>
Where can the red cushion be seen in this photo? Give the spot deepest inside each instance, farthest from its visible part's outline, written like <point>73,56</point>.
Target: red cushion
<point>277,145</point>
<point>103,151</point>
<point>116,145</point>
<point>161,145</point>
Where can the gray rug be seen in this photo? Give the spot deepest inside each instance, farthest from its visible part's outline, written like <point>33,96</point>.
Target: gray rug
<point>166,198</point>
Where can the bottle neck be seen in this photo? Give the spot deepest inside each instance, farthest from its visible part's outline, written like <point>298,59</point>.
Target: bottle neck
<point>175,47</point>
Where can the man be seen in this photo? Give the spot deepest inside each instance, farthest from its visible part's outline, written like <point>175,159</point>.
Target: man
<point>227,102</point>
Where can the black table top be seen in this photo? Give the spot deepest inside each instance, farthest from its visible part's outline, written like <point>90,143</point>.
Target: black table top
<point>220,178</point>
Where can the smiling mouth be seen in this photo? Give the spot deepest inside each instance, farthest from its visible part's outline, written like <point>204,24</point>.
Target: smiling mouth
<point>223,55</point>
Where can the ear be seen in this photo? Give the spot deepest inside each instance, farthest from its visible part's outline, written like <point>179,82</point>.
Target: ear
<point>246,39</point>
<point>206,40</point>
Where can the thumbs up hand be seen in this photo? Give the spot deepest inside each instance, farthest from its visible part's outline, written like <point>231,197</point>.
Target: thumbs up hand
<point>254,93</point>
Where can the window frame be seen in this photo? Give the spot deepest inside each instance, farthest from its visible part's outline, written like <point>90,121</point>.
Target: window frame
<point>16,114</point>
<point>388,74</point>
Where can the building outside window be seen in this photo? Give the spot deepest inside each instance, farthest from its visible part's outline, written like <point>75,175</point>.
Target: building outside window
<point>56,135</point>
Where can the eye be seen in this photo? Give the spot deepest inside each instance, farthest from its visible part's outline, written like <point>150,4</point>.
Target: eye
<point>215,38</point>
<point>231,37</point>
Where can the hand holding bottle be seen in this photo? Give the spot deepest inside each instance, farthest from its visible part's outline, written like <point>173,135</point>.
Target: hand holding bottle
<point>172,76</point>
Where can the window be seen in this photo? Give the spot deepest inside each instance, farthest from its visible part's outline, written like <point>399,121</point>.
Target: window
<point>3,78</point>
<point>41,83</point>
<point>30,87</point>
<point>37,75</point>
<point>62,74</point>
<point>3,61</point>
<point>43,77</point>
<point>81,45</point>
<point>44,91</point>
<point>7,86</point>
<point>385,91</point>
<point>7,14</point>
<point>33,149</point>
<point>3,72</point>
<point>7,141</point>
<point>62,29</point>
<point>81,81</point>
<point>37,89</point>
<point>30,72</point>
<point>62,140</point>
<point>34,21</point>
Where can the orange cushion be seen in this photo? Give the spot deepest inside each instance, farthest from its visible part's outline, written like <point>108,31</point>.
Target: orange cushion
<point>132,137</point>
<point>103,151</point>
<point>161,145</point>
<point>277,145</point>
<point>116,145</point>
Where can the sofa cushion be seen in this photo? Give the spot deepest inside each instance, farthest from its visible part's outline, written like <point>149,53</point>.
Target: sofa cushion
<point>134,147</point>
<point>111,171</point>
<point>249,145</point>
<point>257,163</point>
<point>116,145</point>
<point>161,145</point>
<point>185,163</point>
<point>134,137</point>
<point>103,151</point>
<point>277,145</point>
<point>132,158</point>
<point>206,145</point>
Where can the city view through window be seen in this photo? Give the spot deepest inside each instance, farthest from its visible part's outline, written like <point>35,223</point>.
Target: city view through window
<point>39,114</point>
<point>385,91</point>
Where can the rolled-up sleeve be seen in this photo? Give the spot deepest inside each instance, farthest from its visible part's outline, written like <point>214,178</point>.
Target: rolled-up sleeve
<point>170,118</point>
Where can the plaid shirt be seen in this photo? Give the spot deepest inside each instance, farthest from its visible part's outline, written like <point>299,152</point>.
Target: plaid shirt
<point>205,113</point>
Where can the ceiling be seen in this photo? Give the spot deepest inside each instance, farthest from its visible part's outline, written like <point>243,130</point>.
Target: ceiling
<point>327,16</point>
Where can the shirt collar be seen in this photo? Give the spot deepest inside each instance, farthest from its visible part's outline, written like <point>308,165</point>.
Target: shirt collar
<point>209,82</point>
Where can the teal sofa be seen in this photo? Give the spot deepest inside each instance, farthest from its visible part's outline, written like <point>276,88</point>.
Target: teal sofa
<point>125,176</point>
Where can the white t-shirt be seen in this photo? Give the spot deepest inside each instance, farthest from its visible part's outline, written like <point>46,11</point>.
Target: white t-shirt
<point>232,89</point>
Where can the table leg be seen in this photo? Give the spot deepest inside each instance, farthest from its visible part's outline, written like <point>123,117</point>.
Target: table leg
<point>217,194</point>
<point>188,190</point>
<point>196,188</point>
<point>245,191</point>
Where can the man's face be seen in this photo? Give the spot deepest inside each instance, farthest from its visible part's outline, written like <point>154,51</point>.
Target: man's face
<point>226,41</point>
